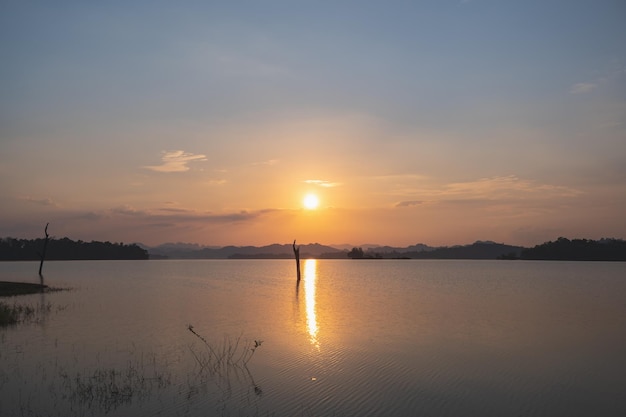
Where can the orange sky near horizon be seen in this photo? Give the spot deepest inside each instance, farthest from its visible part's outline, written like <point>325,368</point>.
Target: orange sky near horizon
<point>451,122</point>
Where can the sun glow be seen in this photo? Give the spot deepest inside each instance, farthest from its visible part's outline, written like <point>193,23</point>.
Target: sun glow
<point>310,201</point>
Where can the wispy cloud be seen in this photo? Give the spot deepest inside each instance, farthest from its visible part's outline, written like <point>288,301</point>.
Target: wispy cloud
<point>269,162</point>
<point>499,188</point>
<point>176,161</point>
<point>409,203</point>
<point>127,210</point>
<point>581,88</point>
<point>174,210</point>
<point>47,201</point>
<point>609,78</point>
<point>173,215</point>
<point>217,182</point>
<point>506,186</point>
<point>86,215</point>
<point>322,183</point>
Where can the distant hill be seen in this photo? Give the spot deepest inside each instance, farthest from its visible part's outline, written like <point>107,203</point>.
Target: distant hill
<point>391,250</point>
<point>67,249</point>
<point>274,251</point>
<point>376,251</point>
<point>177,250</point>
<point>578,250</point>
<point>312,250</point>
<point>477,250</point>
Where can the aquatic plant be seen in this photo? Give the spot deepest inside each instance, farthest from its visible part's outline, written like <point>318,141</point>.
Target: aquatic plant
<point>8,315</point>
<point>16,313</point>
<point>230,352</point>
<point>226,360</point>
<point>110,388</point>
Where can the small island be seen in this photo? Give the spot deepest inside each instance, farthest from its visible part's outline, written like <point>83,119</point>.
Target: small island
<point>8,289</point>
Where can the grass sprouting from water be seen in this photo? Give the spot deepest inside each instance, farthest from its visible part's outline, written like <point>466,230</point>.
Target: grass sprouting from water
<point>109,388</point>
<point>17,313</point>
<point>229,353</point>
<point>8,315</point>
<point>226,360</point>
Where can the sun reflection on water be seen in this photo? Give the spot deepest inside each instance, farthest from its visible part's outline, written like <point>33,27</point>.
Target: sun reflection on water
<point>310,280</point>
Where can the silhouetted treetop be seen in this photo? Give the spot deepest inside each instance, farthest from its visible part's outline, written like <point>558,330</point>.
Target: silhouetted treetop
<point>356,253</point>
<point>578,250</point>
<point>66,249</point>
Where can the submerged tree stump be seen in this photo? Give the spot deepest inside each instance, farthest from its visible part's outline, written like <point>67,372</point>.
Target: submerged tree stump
<point>43,252</point>
<point>296,252</point>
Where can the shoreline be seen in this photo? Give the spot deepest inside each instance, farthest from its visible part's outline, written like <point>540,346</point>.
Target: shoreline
<point>11,288</point>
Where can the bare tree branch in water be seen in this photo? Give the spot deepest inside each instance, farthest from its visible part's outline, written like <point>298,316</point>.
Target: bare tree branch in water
<point>296,252</point>
<point>222,360</point>
<point>43,253</point>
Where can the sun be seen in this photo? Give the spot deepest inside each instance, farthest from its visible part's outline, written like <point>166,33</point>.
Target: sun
<point>310,201</point>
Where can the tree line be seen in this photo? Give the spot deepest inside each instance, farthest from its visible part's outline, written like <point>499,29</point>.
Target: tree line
<point>561,249</point>
<point>66,249</point>
<point>578,250</point>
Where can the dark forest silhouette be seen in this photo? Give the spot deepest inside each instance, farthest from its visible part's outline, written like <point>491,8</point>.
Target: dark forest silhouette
<point>562,249</point>
<point>66,249</point>
<point>578,250</point>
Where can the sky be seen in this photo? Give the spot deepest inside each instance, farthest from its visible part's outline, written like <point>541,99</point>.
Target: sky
<point>439,121</point>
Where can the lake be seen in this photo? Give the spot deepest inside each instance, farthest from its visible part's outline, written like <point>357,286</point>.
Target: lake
<point>354,338</point>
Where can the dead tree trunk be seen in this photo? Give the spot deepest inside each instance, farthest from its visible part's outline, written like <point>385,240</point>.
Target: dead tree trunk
<point>296,252</point>
<point>43,252</point>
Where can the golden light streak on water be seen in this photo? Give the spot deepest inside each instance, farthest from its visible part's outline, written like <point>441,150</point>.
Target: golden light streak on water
<point>310,280</point>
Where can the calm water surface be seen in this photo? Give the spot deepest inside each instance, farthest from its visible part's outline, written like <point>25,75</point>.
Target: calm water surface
<point>354,338</point>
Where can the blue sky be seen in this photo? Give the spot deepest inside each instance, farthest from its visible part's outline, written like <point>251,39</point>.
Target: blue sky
<point>440,122</point>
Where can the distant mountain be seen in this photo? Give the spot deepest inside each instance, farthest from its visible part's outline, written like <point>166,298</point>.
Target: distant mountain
<point>577,249</point>
<point>371,247</point>
<point>274,251</point>
<point>420,247</point>
<point>176,250</point>
<point>606,249</point>
<point>477,250</point>
<point>348,246</point>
